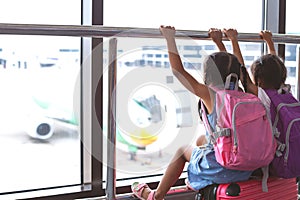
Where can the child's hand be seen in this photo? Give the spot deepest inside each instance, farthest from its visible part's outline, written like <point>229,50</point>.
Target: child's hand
<point>167,31</point>
<point>215,34</point>
<point>231,33</point>
<point>266,35</point>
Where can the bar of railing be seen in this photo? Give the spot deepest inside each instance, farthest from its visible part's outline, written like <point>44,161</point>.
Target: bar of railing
<point>111,134</point>
<point>108,31</point>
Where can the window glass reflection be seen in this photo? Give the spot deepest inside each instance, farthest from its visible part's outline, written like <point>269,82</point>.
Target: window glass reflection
<point>155,114</point>
<point>40,101</point>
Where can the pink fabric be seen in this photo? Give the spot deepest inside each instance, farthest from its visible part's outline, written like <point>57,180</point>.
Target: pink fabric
<point>251,143</point>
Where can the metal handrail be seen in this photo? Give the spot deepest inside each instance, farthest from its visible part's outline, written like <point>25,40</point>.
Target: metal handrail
<point>109,31</point>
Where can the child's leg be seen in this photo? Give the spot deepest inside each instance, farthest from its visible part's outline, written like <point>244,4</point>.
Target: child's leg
<point>173,172</point>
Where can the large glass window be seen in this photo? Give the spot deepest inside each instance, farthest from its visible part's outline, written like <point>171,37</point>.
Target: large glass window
<point>292,15</point>
<point>40,99</point>
<point>41,12</point>
<point>292,50</point>
<point>246,16</point>
<point>41,83</point>
<point>155,114</point>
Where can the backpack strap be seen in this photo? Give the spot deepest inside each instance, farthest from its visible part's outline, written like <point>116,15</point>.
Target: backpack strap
<point>225,132</point>
<point>205,121</point>
<point>214,134</point>
<point>265,171</point>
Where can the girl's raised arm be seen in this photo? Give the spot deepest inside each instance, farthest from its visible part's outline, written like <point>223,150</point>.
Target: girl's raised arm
<point>188,81</point>
<point>232,35</point>
<point>249,86</point>
<point>267,37</point>
<point>216,35</point>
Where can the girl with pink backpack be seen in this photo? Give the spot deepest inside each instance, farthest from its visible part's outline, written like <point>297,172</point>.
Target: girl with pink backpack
<point>203,168</point>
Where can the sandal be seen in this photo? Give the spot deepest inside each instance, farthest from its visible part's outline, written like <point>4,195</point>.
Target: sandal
<point>138,188</point>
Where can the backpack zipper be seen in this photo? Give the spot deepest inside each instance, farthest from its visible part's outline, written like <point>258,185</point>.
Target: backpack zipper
<point>235,140</point>
<point>287,136</point>
<point>278,109</point>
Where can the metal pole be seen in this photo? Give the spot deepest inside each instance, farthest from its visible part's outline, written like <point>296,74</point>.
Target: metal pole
<point>106,31</point>
<point>111,135</point>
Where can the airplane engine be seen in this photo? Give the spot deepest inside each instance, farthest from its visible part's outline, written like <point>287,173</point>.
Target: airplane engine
<point>40,128</point>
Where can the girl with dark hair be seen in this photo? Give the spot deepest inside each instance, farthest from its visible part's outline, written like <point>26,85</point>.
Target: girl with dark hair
<point>203,169</point>
<point>268,71</point>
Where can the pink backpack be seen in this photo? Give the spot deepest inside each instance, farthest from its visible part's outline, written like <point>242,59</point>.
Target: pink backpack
<point>243,139</point>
